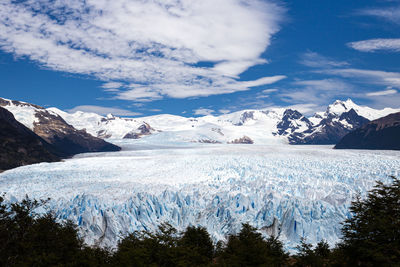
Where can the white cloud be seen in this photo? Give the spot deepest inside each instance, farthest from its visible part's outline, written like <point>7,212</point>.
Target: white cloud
<point>316,91</point>
<point>203,111</point>
<point>385,101</point>
<point>381,93</point>
<point>224,111</point>
<point>315,60</point>
<point>193,88</point>
<point>262,81</point>
<point>325,85</point>
<point>370,76</point>
<point>267,91</point>
<point>104,110</point>
<point>112,86</point>
<point>376,44</point>
<point>155,44</point>
<point>391,13</point>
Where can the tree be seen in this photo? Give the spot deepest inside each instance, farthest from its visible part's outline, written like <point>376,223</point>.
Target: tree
<point>148,249</point>
<point>30,239</point>
<point>195,247</point>
<point>307,256</point>
<point>371,237</point>
<point>249,248</point>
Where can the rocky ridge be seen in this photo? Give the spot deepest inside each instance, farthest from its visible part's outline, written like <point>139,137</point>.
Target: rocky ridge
<point>55,130</point>
<point>383,133</point>
<point>20,146</point>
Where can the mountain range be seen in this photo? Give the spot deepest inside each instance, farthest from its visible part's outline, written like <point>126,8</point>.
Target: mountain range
<point>266,126</point>
<point>275,125</point>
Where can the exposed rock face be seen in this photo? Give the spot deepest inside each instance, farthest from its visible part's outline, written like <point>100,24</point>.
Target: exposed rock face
<point>217,130</point>
<point>144,129</point>
<point>20,146</point>
<point>287,123</point>
<point>243,140</point>
<point>352,118</point>
<point>66,138</point>
<point>330,129</point>
<point>293,125</point>
<point>383,133</point>
<point>53,129</point>
<point>248,115</point>
<point>208,141</point>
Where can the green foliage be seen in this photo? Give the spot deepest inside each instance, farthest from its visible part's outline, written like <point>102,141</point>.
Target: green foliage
<point>148,249</point>
<point>195,247</point>
<point>307,256</point>
<point>249,248</point>
<point>372,236</point>
<point>166,248</point>
<point>29,239</point>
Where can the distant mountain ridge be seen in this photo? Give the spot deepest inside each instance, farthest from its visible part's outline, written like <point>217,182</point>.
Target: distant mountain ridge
<point>276,125</point>
<point>383,133</point>
<point>269,126</point>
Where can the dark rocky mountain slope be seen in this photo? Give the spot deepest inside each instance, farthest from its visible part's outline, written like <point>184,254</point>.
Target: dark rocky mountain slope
<point>331,129</point>
<point>383,133</point>
<point>20,146</point>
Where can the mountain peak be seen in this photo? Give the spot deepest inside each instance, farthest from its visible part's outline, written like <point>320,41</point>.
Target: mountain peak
<point>348,101</point>
<point>339,107</point>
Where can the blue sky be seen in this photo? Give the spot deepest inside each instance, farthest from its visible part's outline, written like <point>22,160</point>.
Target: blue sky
<point>185,57</point>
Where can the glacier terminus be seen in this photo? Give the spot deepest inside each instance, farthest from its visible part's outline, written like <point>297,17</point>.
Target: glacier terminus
<point>286,191</point>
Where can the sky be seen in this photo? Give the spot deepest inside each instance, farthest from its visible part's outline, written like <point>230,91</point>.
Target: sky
<point>195,58</point>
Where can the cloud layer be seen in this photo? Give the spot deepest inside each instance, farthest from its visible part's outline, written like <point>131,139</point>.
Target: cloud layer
<point>156,46</point>
<point>376,44</point>
<point>104,110</point>
<point>391,13</point>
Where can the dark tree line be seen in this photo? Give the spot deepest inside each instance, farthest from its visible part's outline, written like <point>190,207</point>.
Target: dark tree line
<point>370,238</point>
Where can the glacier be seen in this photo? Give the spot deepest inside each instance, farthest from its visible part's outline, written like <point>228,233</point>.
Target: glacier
<point>287,191</point>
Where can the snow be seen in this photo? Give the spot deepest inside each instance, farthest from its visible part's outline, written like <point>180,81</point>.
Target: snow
<point>307,189</point>
<point>25,113</point>
<point>339,107</point>
<point>259,125</point>
<point>221,129</point>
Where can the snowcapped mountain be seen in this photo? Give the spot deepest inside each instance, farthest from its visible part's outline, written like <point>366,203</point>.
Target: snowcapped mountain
<point>20,146</point>
<point>339,119</point>
<point>258,125</point>
<point>64,138</point>
<point>340,107</point>
<point>270,126</point>
<point>276,125</point>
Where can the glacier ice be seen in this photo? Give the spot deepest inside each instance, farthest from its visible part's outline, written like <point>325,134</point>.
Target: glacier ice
<point>288,191</point>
